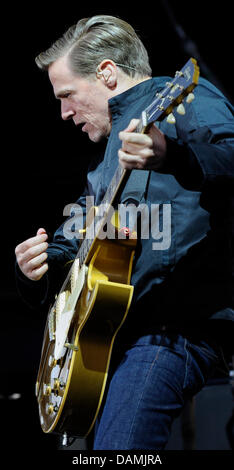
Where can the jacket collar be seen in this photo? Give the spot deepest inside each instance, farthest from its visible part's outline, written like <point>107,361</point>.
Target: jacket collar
<point>120,103</point>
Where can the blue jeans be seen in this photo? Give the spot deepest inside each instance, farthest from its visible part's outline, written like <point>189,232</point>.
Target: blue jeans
<point>149,388</point>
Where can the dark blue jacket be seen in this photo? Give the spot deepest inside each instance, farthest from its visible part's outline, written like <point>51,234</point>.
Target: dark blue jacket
<point>191,281</point>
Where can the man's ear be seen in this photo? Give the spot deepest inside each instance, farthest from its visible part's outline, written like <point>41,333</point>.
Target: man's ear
<point>107,71</point>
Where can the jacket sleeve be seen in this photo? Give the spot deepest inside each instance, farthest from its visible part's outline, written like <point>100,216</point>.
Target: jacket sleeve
<point>203,151</point>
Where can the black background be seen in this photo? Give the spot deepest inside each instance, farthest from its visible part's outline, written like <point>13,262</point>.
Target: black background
<point>43,157</point>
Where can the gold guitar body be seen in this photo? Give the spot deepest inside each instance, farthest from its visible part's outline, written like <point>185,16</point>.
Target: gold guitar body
<point>71,381</point>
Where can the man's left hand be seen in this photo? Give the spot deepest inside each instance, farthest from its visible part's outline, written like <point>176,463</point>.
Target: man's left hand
<point>142,151</point>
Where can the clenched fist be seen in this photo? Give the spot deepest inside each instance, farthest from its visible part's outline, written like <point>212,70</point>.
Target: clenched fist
<point>31,256</point>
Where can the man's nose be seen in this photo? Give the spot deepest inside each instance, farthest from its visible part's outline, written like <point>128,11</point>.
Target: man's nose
<point>66,112</point>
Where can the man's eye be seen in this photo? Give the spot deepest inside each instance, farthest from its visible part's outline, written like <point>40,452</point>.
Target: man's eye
<point>64,95</point>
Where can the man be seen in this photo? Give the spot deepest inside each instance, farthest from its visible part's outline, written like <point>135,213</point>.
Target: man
<point>169,344</point>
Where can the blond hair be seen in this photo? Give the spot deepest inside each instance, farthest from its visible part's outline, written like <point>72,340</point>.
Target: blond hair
<point>97,38</point>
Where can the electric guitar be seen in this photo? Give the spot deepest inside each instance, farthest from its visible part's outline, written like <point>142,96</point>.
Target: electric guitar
<point>95,298</point>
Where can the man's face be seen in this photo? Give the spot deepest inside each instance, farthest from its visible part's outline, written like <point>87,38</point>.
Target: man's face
<point>83,100</point>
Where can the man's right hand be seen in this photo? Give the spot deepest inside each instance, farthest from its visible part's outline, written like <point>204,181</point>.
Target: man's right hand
<point>31,255</point>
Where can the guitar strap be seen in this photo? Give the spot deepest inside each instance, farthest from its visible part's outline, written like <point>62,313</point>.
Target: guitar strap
<point>137,184</point>
<point>136,187</point>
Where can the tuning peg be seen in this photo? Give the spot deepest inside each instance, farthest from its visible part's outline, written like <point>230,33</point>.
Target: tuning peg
<point>171,118</point>
<point>180,109</point>
<point>190,98</point>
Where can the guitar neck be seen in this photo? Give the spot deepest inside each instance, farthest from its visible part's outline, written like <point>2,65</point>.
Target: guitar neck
<point>113,189</point>
<point>116,184</point>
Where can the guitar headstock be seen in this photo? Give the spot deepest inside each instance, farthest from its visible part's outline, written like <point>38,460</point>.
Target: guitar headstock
<point>172,95</point>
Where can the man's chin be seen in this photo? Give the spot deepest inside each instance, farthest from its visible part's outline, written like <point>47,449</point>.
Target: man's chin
<point>96,136</point>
